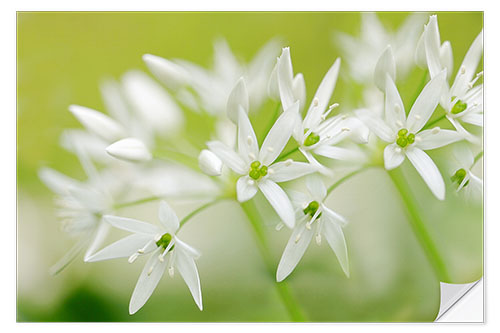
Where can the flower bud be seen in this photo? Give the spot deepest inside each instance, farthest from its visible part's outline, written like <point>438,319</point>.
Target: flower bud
<point>209,163</point>
<point>97,123</point>
<point>168,72</point>
<point>130,150</point>
<point>238,98</point>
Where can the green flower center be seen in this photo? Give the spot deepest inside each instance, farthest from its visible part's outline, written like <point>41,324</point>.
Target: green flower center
<point>312,208</point>
<point>257,170</point>
<point>404,138</point>
<point>164,241</point>
<point>311,139</point>
<point>459,177</point>
<point>459,107</point>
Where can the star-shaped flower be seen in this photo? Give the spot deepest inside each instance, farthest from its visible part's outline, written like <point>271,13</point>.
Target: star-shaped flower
<point>314,218</point>
<point>167,252</point>
<point>405,135</point>
<point>461,173</point>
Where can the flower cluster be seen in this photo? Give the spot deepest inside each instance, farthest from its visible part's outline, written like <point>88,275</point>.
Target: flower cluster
<point>140,151</point>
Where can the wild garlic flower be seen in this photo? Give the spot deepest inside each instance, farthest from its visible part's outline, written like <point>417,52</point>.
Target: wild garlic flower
<point>463,101</point>
<point>317,134</point>
<point>461,173</point>
<point>405,136</point>
<point>167,252</point>
<point>256,166</point>
<point>207,89</point>
<point>362,53</point>
<point>314,219</point>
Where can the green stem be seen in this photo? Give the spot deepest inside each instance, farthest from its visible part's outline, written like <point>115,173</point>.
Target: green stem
<point>435,121</point>
<point>199,209</point>
<point>343,179</point>
<point>418,225</point>
<point>421,86</point>
<point>175,156</point>
<point>282,288</point>
<point>137,202</point>
<point>478,156</point>
<point>285,155</point>
<point>273,119</point>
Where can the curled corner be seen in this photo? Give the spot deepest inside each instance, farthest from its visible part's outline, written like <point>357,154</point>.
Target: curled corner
<point>461,302</point>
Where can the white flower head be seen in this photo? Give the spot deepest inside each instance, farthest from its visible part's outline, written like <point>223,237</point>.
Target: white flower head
<point>463,101</point>
<point>317,134</point>
<point>167,252</point>
<point>314,219</point>
<point>405,135</point>
<point>461,173</point>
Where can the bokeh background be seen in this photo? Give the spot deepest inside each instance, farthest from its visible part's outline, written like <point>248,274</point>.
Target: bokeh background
<point>62,58</point>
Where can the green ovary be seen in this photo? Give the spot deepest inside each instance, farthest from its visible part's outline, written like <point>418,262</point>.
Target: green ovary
<point>459,177</point>
<point>459,107</point>
<point>257,170</point>
<point>404,138</point>
<point>164,241</point>
<point>311,139</point>
<point>312,208</point>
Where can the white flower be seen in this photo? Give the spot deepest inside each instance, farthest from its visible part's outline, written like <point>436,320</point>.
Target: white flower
<point>256,166</point>
<point>209,163</point>
<point>461,173</point>
<point>463,102</point>
<point>405,135</point>
<point>167,251</point>
<point>204,89</point>
<point>314,219</point>
<point>363,53</point>
<point>129,149</point>
<point>316,133</point>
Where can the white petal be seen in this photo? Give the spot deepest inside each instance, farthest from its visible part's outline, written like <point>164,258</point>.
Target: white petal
<point>333,217</point>
<point>132,225</point>
<point>168,217</point>
<point>56,181</point>
<point>285,79</point>
<point>433,138</point>
<point>393,156</point>
<point>97,123</point>
<point>339,153</point>
<point>473,119</point>
<point>228,157</point>
<point>470,62</point>
<point>245,188</point>
<point>428,171</point>
<point>272,85</point>
<point>294,251</point>
<point>335,237</point>
<point>278,135</point>
<point>285,171</point>
<point>147,282</point>
<point>114,102</point>
<point>316,187</point>
<point>316,165</point>
<point>70,255</point>
<point>432,47</point>
<point>98,237</point>
<point>446,56</point>
<point>375,124</point>
<point>209,163</point>
<point>248,147</point>
<point>130,150</point>
<point>191,251</point>
<point>238,98</point>
<point>426,103</point>
<point>279,200</point>
<point>322,96</point>
<point>123,248</point>
<point>463,155</point>
<point>187,268</point>
<point>171,74</point>
<point>394,108</point>
<point>386,65</point>
<point>420,57</point>
<point>299,89</point>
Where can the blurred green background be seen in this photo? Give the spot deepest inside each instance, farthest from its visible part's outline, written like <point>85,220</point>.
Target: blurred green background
<point>62,58</point>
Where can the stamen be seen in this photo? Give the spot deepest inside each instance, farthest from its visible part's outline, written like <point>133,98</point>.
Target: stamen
<point>417,116</point>
<point>279,226</point>
<point>270,149</point>
<point>315,102</point>
<point>171,271</point>
<point>157,237</point>
<point>298,237</point>
<point>252,156</point>
<point>346,129</point>
<point>318,238</point>
<point>397,108</point>
<point>308,225</point>
<point>435,130</point>
<point>249,140</point>
<point>270,171</point>
<point>133,257</point>
<point>250,182</point>
<point>399,123</point>
<point>288,162</point>
<point>462,70</point>
<point>397,149</point>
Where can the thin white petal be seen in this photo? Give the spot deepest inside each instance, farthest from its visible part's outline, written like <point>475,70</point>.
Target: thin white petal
<point>187,268</point>
<point>129,149</point>
<point>393,156</point>
<point>428,171</point>
<point>376,124</point>
<point>294,251</point>
<point>147,282</point>
<point>98,237</point>
<point>285,171</point>
<point>168,217</point>
<point>279,135</point>
<point>285,79</point>
<point>314,162</point>
<point>420,57</point>
<point>463,155</point>
<point>228,156</point>
<point>333,217</point>
<point>279,200</point>
<point>446,56</point>
<point>432,47</point>
<point>245,188</point>
<point>339,153</point>
<point>322,96</point>
<point>97,123</point>
<point>469,64</point>
<point>238,98</point>
<point>170,73</point>
<point>316,187</point>
<point>191,251</point>
<point>122,248</point>
<point>426,103</point>
<point>247,140</point>
<point>473,119</point>
<point>386,65</point>
<point>299,89</point>
<point>131,225</point>
<point>56,181</point>
<point>432,139</point>
<point>394,108</point>
<point>335,237</point>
